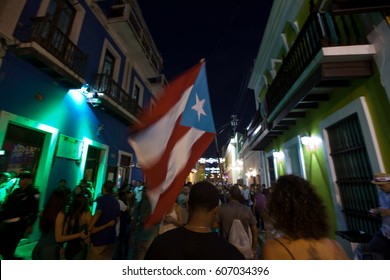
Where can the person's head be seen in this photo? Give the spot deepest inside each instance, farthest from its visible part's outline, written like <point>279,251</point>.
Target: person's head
<point>4,177</point>
<point>83,183</point>
<point>295,209</point>
<point>235,193</point>
<point>186,190</point>
<point>79,205</point>
<point>382,181</point>
<point>62,183</point>
<point>108,187</point>
<point>203,197</point>
<point>77,190</point>
<point>122,195</point>
<point>56,203</point>
<point>25,179</point>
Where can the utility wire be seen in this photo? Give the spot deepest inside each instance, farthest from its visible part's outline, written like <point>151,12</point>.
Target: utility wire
<point>227,27</point>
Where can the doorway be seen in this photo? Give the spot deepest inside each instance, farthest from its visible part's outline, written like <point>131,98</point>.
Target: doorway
<point>28,145</point>
<point>22,149</point>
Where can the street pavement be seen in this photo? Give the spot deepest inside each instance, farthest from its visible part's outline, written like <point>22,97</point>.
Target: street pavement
<point>24,249</point>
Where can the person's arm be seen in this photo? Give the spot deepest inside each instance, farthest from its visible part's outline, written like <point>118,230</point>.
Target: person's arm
<point>383,212</point>
<point>179,213</point>
<point>93,229</point>
<point>102,227</point>
<point>59,233</point>
<point>254,237</point>
<point>88,218</point>
<point>95,218</point>
<point>177,222</point>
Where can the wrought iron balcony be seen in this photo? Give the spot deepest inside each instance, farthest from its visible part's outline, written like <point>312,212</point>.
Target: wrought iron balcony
<point>355,6</point>
<point>329,51</point>
<point>113,98</point>
<point>320,30</point>
<point>46,44</point>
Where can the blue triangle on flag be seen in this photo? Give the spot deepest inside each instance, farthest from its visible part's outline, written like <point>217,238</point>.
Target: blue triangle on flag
<point>197,112</point>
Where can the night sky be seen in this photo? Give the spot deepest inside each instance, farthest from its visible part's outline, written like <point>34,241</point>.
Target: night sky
<point>227,34</point>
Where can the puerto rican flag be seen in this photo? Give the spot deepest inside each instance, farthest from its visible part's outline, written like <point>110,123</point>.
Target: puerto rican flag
<point>169,140</point>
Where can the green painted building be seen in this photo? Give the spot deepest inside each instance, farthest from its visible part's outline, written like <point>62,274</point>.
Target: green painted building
<point>322,88</point>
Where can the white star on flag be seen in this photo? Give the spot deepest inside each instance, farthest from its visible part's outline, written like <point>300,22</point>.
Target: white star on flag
<point>198,107</point>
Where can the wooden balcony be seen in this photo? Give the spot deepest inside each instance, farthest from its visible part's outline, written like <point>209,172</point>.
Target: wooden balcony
<point>329,52</point>
<point>109,96</point>
<point>46,47</point>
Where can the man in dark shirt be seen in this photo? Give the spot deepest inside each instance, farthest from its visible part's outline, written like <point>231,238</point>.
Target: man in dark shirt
<point>195,241</point>
<point>102,227</point>
<point>18,215</point>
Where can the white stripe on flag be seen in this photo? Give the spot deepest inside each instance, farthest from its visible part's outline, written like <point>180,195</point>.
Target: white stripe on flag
<point>145,143</point>
<point>178,159</point>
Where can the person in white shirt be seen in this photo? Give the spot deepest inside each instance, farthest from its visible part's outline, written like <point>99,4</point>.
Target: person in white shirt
<point>138,191</point>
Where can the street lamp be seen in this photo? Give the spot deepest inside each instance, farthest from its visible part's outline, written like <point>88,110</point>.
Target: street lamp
<point>234,123</point>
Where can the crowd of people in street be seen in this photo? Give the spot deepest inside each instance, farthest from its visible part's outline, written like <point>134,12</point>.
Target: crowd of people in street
<point>76,224</point>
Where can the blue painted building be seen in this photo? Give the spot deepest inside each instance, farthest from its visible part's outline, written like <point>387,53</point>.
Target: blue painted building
<point>73,77</point>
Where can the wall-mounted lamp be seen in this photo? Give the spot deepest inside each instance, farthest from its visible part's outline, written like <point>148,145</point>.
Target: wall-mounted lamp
<point>279,156</point>
<point>305,139</point>
<point>310,142</point>
<point>251,173</point>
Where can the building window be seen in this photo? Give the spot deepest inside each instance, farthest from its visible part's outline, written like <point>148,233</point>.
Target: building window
<point>137,94</point>
<point>110,61</point>
<point>353,174</point>
<point>62,14</point>
<point>108,64</point>
<point>124,168</point>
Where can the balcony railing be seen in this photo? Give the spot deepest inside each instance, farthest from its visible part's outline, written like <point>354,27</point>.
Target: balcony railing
<point>47,35</point>
<point>130,14</point>
<point>103,83</point>
<point>320,30</point>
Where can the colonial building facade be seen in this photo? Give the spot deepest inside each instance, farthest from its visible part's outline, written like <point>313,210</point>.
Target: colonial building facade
<point>73,77</point>
<point>322,89</point>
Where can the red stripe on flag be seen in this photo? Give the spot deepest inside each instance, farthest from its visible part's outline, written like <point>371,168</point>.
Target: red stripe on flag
<point>156,174</point>
<point>168,197</point>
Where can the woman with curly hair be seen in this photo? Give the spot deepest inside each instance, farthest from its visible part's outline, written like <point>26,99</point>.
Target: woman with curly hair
<point>299,214</point>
